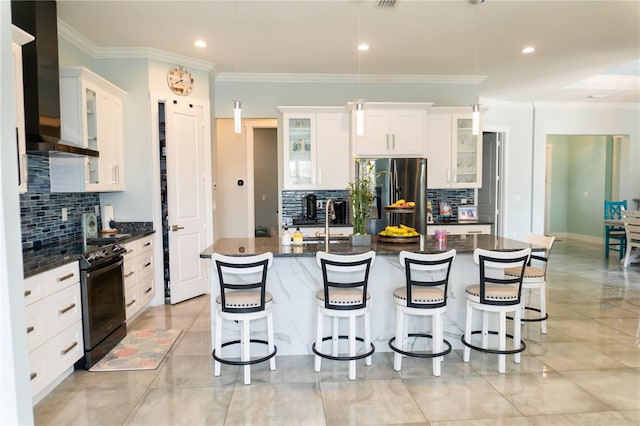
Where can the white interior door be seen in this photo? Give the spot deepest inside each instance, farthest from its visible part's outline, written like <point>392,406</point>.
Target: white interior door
<point>186,186</point>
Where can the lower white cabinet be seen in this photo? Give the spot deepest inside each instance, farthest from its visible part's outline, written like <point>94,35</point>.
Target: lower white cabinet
<point>139,276</point>
<point>54,324</point>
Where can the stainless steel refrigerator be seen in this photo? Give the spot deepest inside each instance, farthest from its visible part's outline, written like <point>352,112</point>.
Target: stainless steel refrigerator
<point>398,178</point>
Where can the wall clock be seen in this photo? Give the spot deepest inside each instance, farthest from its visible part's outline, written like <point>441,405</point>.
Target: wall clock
<point>180,80</point>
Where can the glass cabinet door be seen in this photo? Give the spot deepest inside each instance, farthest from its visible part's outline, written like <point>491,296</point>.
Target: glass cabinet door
<point>299,139</point>
<point>92,175</point>
<point>466,152</point>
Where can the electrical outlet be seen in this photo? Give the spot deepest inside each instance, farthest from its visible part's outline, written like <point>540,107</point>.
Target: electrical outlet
<point>319,204</point>
<point>64,214</point>
<point>463,201</point>
<point>96,209</point>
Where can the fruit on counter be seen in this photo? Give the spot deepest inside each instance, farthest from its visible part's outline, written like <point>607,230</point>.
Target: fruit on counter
<point>401,203</point>
<point>399,231</point>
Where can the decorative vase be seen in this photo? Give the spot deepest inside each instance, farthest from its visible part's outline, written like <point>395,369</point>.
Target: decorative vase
<point>361,240</point>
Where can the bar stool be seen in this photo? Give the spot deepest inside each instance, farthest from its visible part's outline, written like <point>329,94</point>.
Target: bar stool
<point>344,295</point>
<point>535,277</point>
<point>424,294</point>
<point>243,297</point>
<point>496,293</point>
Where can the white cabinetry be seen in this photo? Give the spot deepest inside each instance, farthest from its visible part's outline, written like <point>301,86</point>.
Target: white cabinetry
<point>91,116</point>
<point>391,130</point>
<point>20,38</point>
<point>139,276</point>
<point>54,324</point>
<point>453,153</point>
<point>315,148</point>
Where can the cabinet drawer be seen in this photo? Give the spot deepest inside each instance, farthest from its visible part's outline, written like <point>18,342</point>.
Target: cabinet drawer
<point>65,308</point>
<point>40,368</point>
<point>37,324</point>
<point>131,301</point>
<point>129,273</point>
<point>145,244</point>
<point>145,290</point>
<point>66,348</point>
<point>35,288</point>
<point>62,277</point>
<point>144,265</point>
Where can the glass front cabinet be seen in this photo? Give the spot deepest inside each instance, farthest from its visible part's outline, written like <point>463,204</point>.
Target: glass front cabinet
<point>467,154</point>
<point>300,156</point>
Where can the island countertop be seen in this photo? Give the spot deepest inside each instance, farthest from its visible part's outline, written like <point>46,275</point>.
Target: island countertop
<point>462,244</point>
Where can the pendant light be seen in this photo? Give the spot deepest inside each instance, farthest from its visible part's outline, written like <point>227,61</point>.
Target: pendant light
<point>359,103</point>
<point>237,106</point>
<point>475,108</point>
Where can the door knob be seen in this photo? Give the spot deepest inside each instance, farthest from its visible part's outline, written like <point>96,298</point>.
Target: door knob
<point>175,228</point>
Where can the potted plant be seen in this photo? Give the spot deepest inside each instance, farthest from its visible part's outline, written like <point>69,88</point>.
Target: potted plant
<point>361,196</point>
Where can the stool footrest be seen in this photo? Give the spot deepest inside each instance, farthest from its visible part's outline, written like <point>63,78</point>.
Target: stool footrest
<point>342,357</point>
<point>522,347</point>
<point>544,318</point>
<point>420,354</point>
<point>249,362</point>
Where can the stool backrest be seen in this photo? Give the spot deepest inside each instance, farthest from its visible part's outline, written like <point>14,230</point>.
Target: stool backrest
<point>242,273</point>
<point>492,265</point>
<point>349,271</point>
<point>631,219</point>
<point>426,270</point>
<point>537,258</point>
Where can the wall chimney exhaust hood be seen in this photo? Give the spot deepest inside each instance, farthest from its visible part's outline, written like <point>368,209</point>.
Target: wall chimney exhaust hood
<point>41,79</point>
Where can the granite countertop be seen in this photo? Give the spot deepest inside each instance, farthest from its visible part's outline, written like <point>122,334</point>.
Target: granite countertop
<point>464,244</point>
<point>455,222</point>
<point>45,258</point>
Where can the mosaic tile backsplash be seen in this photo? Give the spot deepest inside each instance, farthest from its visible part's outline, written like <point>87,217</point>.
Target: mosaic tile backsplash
<point>41,211</point>
<point>292,201</point>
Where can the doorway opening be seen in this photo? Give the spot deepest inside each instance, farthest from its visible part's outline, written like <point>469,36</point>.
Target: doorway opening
<point>581,172</point>
<point>265,190</point>
<point>490,195</point>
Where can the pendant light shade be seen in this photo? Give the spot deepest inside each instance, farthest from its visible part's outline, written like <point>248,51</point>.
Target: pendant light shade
<point>237,117</point>
<point>475,126</point>
<point>360,117</point>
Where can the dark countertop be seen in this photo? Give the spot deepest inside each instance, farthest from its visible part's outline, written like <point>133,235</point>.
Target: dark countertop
<point>43,259</point>
<point>455,222</point>
<point>464,244</point>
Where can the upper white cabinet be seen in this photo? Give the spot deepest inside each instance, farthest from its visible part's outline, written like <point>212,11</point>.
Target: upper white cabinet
<point>91,116</point>
<point>315,148</point>
<point>20,38</point>
<point>396,130</point>
<point>453,153</point>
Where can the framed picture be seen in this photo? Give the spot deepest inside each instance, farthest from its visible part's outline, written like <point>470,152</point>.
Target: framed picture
<point>445,208</point>
<point>467,213</point>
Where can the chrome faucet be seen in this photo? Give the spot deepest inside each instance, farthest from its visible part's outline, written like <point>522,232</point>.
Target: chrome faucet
<point>329,213</point>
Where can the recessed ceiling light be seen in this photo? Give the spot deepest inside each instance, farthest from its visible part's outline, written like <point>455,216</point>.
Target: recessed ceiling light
<point>528,49</point>
<point>200,43</point>
<point>363,47</point>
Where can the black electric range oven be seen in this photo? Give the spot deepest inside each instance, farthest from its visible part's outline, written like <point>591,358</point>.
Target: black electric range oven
<point>102,292</point>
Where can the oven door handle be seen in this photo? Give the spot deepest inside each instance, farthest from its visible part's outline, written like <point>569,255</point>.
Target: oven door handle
<point>104,267</point>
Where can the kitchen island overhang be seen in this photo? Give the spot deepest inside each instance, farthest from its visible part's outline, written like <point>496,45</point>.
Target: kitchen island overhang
<point>295,278</point>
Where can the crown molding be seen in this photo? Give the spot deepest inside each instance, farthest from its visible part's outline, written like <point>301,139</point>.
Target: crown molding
<point>347,78</point>
<point>585,105</point>
<point>82,43</point>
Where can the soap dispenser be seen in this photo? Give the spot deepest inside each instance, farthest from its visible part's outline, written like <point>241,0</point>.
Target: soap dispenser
<point>286,236</point>
<point>297,237</point>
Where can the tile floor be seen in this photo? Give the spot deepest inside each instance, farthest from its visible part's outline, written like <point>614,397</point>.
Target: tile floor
<point>585,371</point>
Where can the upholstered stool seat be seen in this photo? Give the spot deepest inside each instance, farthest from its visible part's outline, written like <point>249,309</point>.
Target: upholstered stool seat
<point>243,298</point>
<point>424,294</point>
<point>344,295</point>
<point>535,278</point>
<point>498,293</point>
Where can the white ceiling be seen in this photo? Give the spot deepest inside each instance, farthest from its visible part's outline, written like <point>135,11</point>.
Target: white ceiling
<point>586,51</point>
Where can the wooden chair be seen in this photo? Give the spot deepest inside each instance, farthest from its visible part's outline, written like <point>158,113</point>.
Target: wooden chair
<point>614,236</point>
<point>631,219</point>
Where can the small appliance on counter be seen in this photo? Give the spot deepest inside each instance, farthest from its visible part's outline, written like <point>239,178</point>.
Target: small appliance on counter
<point>107,219</point>
<point>340,209</point>
<point>309,211</point>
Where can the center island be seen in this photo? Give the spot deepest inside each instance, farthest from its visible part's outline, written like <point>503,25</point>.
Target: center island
<point>295,278</point>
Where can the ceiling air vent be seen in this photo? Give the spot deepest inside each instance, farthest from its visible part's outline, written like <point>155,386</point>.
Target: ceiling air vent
<point>386,3</point>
